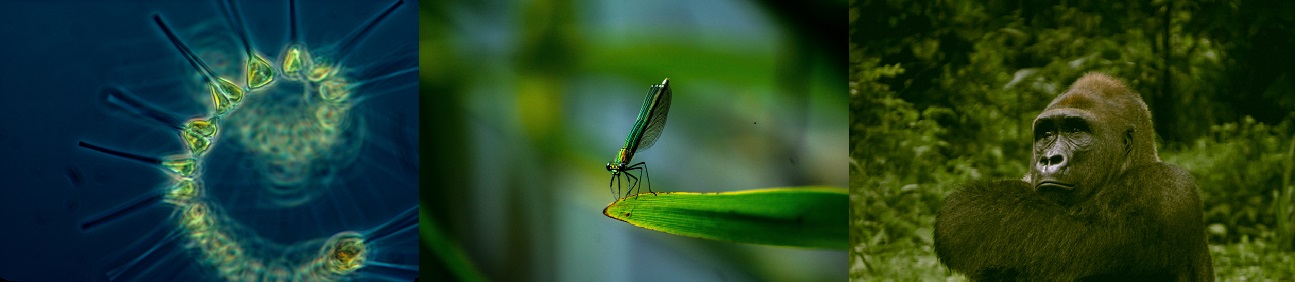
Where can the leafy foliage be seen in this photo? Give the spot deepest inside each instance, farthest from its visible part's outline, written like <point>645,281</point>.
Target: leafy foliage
<point>1239,168</point>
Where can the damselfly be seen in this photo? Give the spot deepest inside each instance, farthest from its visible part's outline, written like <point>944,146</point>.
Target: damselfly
<point>646,130</point>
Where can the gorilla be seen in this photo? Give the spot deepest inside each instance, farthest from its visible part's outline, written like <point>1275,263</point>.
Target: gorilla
<point>1097,204</point>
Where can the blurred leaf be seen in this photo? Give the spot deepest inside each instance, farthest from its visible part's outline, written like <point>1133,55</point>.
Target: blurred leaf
<point>445,249</point>
<point>813,217</point>
<point>651,57</point>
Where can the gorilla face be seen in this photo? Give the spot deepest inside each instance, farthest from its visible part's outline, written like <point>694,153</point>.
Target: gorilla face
<point>1074,152</point>
<point>1088,135</point>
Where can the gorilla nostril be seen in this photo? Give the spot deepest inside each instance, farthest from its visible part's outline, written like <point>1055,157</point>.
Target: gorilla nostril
<point>1056,159</point>
<point>1052,160</point>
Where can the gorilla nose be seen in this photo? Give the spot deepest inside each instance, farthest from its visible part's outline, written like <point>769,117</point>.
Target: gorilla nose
<point>1052,164</point>
<point>1053,160</point>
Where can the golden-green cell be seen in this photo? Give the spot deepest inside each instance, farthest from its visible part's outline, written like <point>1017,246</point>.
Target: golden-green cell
<point>249,270</point>
<point>259,72</point>
<point>197,143</point>
<point>229,254</point>
<point>181,166</point>
<point>227,89</point>
<point>330,116</point>
<point>219,249</point>
<point>322,68</point>
<point>279,272</point>
<point>220,101</point>
<point>197,220</point>
<point>203,127</point>
<point>344,253</point>
<point>182,191</point>
<point>295,61</point>
<point>334,90</point>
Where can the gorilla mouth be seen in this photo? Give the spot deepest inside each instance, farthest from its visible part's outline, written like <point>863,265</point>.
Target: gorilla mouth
<point>1053,185</point>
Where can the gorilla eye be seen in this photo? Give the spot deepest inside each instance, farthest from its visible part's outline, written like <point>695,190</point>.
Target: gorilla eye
<point>1041,133</point>
<point>1043,129</point>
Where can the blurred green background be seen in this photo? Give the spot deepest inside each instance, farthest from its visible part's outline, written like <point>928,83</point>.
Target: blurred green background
<point>523,103</point>
<point>944,92</point>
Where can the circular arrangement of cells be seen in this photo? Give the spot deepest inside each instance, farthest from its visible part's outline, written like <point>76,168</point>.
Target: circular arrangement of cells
<point>300,162</point>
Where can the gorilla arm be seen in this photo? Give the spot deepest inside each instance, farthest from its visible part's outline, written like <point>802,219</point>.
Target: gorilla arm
<point>1140,225</point>
<point>1184,221</point>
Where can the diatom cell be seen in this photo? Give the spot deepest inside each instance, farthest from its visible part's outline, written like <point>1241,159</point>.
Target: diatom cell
<point>282,140</point>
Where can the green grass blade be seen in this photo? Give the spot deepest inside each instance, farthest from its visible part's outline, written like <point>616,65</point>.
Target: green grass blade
<point>446,251</point>
<point>812,217</point>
